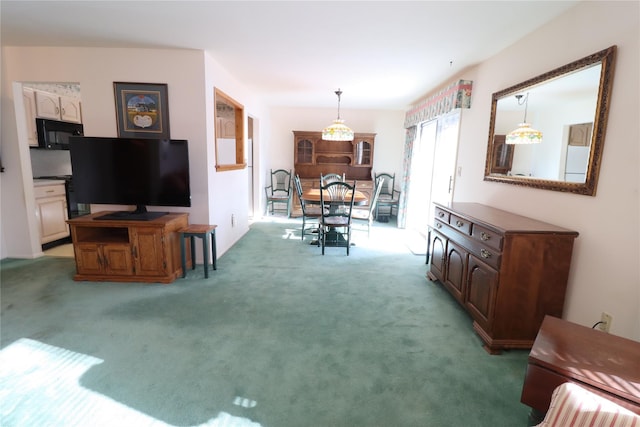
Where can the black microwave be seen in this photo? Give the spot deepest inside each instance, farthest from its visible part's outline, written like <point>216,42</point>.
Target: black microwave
<point>54,135</point>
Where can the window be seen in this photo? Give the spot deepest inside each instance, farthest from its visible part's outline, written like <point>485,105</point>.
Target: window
<point>229,133</point>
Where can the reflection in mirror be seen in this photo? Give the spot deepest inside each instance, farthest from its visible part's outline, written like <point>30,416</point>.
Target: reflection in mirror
<point>229,133</point>
<point>569,106</point>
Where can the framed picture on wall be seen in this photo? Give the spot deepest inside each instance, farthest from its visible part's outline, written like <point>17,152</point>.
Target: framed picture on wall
<point>142,110</point>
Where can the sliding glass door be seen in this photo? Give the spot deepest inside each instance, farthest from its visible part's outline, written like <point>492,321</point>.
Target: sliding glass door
<point>433,166</point>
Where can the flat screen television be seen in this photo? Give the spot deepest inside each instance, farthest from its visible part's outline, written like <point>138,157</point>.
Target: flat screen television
<point>131,171</point>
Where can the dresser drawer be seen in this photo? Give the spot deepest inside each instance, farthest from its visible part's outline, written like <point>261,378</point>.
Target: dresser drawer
<point>486,236</point>
<point>48,191</point>
<point>486,254</point>
<point>442,215</point>
<point>439,225</point>
<point>460,224</point>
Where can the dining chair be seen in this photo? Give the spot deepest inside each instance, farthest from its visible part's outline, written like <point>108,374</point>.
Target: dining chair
<point>367,215</point>
<point>309,212</point>
<point>280,190</point>
<point>330,177</point>
<point>389,196</point>
<point>336,199</point>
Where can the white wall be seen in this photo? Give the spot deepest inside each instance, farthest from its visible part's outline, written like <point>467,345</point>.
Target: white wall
<point>190,75</point>
<point>605,269</point>
<point>228,190</point>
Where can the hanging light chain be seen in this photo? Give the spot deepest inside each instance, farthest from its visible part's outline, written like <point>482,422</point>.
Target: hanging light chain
<point>525,102</point>
<point>338,92</point>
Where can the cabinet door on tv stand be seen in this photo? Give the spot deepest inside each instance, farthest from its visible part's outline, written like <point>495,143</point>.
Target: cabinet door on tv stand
<point>99,259</point>
<point>149,252</point>
<point>118,259</point>
<point>88,258</point>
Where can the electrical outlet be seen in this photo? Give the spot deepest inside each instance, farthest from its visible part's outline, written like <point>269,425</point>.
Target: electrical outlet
<point>605,322</point>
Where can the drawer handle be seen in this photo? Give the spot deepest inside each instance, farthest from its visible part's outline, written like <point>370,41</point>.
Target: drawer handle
<point>441,214</point>
<point>459,223</point>
<point>484,236</point>
<point>485,253</point>
<point>438,225</point>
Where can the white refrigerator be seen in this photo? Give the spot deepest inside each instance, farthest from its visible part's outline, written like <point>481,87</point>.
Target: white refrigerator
<point>576,166</point>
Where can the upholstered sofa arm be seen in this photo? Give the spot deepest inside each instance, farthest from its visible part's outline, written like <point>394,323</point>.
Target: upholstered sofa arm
<point>573,405</point>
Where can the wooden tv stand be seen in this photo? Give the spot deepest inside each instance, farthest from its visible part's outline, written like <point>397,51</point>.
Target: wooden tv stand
<point>126,250</point>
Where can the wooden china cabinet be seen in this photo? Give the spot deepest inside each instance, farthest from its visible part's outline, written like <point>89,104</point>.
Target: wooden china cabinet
<point>314,156</point>
<point>502,155</point>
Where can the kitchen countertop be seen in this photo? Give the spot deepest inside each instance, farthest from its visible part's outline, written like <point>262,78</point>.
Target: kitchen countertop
<point>41,182</point>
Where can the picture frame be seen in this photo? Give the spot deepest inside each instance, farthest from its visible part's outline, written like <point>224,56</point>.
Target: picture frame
<point>142,110</point>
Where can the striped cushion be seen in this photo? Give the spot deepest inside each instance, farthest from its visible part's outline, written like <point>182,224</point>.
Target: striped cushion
<point>573,406</point>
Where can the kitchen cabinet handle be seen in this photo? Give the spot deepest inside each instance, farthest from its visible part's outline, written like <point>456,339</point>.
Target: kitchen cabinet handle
<point>485,253</point>
<point>441,214</point>
<point>484,236</point>
<point>438,225</point>
<point>50,191</point>
<point>459,223</point>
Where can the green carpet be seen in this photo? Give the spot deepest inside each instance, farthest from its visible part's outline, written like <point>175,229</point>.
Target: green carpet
<point>278,336</point>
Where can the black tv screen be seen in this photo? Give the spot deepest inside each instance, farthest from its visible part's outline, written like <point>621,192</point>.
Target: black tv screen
<point>128,171</point>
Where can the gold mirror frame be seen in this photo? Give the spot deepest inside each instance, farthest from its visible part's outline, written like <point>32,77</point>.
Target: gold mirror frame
<point>606,59</point>
<point>229,126</point>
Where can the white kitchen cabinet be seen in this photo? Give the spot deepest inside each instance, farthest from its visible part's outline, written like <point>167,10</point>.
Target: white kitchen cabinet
<point>51,210</point>
<point>29,97</point>
<point>70,110</point>
<point>47,105</point>
<point>56,107</point>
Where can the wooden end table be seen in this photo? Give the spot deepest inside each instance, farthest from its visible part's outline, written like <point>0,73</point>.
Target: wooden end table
<point>605,364</point>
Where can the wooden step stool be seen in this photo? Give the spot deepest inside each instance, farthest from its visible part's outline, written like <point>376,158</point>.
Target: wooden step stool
<point>208,235</point>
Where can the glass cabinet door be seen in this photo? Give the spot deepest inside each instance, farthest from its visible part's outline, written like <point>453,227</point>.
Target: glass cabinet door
<point>304,151</point>
<point>362,153</point>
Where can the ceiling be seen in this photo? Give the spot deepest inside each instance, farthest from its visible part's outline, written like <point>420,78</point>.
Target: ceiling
<point>382,54</point>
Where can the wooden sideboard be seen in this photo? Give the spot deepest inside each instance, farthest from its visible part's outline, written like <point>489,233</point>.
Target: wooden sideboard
<point>508,271</point>
<point>604,364</point>
<point>127,251</point>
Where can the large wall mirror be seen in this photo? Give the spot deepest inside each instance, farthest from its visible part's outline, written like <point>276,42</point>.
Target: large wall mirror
<point>229,133</point>
<point>569,105</point>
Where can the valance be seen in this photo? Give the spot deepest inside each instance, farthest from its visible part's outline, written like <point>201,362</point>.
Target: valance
<point>456,95</point>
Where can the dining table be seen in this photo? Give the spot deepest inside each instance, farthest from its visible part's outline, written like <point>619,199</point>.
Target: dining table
<point>312,196</point>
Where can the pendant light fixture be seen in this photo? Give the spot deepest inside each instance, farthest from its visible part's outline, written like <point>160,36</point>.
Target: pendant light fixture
<point>525,134</point>
<point>337,131</point>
